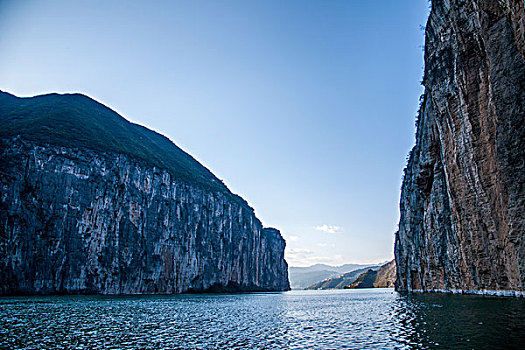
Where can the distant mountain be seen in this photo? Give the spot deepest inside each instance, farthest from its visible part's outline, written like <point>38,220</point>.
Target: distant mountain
<point>339,281</point>
<point>386,275</point>
<point>382,278</point>
<point>303,277</point>
<point>364,280</point>
<point>368,277</point>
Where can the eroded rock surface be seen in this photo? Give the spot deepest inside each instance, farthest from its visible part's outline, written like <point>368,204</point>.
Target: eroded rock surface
<point>463,201</point>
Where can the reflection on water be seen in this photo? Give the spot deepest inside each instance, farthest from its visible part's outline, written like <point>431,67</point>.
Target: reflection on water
<point>348,319</point>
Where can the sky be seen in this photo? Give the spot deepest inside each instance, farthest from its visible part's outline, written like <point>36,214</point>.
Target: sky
<point>304,108</point>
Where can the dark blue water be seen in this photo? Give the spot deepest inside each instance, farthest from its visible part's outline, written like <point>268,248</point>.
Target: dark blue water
<point>347,319</point>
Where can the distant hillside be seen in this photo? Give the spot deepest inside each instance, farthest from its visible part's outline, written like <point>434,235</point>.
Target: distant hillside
<point>340,281</point>
<point>382,278</point>
<point>304,277</point>
<point>364,280</point>
<point>386,275</point>
<point>367,277</point>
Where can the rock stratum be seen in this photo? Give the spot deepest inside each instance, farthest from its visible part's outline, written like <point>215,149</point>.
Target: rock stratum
<point>91,203</point>
<point>462,205</point>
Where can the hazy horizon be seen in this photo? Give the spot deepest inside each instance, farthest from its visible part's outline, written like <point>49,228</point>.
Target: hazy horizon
<point>306,110</point>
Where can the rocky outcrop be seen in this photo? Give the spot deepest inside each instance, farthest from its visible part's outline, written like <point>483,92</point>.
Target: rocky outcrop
<point>76,220</point>
<point>463,202</point>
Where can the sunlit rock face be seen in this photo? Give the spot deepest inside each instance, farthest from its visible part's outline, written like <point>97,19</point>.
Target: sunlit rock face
<point>463,200</point>
<point>75,220</point>
<point>386,275</point>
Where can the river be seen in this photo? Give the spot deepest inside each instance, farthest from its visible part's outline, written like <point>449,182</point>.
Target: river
<point>338,319</point>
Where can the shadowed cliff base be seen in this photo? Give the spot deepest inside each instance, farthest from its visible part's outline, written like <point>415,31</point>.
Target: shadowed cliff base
<point>462,221</point>
<point>231,287</point>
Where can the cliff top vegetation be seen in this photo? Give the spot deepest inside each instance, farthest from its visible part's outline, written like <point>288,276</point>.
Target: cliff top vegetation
<point>76,120</point>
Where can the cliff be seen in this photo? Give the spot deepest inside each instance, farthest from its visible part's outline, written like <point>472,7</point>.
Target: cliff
<point>462,205</point>
<point>91,203</point>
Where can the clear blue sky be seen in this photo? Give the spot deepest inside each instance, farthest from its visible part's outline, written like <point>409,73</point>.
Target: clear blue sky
<point>304,108</point>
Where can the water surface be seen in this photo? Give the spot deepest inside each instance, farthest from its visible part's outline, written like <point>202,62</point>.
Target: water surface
<point>344,319</point>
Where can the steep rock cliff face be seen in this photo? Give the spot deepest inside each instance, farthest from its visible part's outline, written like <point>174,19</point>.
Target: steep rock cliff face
<point>463,201</point>
<point>75,220</point>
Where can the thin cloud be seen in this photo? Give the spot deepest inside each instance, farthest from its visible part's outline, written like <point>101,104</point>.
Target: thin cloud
<point>328,228</point>
<point>298,254</point>
<point>299,251</point>
<point>308,258</point>
<point>324,245</point>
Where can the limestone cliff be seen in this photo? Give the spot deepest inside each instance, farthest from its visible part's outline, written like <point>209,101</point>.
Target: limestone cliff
<point>81,219</point>
<point>463,202</point>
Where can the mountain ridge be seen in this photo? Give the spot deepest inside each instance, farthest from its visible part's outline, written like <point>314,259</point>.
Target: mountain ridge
<point>75,118</point>
<point>304,277</point>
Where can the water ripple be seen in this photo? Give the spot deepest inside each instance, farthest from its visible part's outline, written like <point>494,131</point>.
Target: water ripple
<point>349,319</point>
